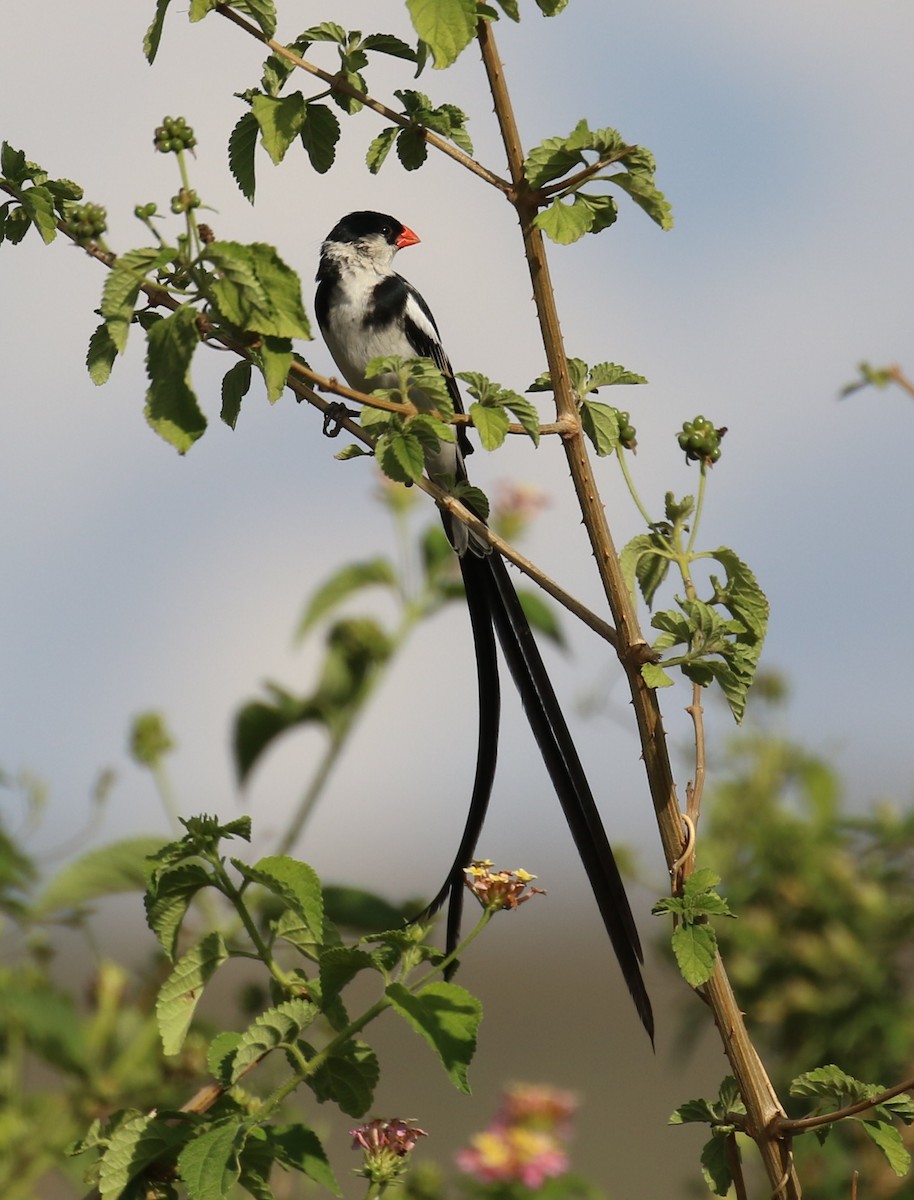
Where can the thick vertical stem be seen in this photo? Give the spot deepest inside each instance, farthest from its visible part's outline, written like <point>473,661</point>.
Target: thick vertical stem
<point>762,1104</point>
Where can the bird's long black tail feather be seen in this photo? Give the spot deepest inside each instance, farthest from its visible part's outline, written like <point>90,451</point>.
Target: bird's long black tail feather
<point>489,709</point>
<point>490,590</point>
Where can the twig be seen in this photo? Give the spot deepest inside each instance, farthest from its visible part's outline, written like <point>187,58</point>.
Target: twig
<point>574,181</point>
<point>801,1124</point>
<point>337,84</point>
<point>695,790</point>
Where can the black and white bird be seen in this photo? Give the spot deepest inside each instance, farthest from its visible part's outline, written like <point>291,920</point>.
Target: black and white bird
<point>366,310</point>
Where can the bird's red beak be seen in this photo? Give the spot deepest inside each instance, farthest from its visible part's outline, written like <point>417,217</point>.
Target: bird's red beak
<point>407,238</point>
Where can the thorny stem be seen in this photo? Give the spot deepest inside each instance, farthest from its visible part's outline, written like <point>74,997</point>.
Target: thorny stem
<point>762,1104</point>
<point>801,1124</point>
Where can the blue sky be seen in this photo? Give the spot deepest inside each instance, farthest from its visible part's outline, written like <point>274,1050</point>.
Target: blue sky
<point>135,579</point>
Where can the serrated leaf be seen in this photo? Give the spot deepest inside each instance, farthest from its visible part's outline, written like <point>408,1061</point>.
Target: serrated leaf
<point>280,119</point>
<point>352,578</point>
<point>400,456</point>
<point>491,425</point>
<point>412,148</point>
<point>446,26</point>
<point>278,1026</point>
<point>168,899</point>
<point>448,1017</point>
<point>889,1141</point>
<point>339,965</point>
<point>601,425</point>
<point>122,288</point>
<point>39,204</point>
<point>294,882</point>
<point>118,867</point>
<point>199,9</point>
<point>608,374</point>
<point>319,135</point>
<point>655,676</point>
<point>715,1165</point>
<point>264,13</point>
<point>208,1165</point>
<point>380,148</point>
<point>349,1078</point>
<point>220,1054</point>
<point>134,1145</point>
<point>235,384</point>
<point>693,1111</point>
<point>171,405</point>
<point>241,148</point>
<point>179,995</point>
<point>645,193</point>
<point>154,32</point>
<point>695,947</point>
<point>255,290</point>
<point>101,355</point>
<point>564,223</point>
<point>275,354</point>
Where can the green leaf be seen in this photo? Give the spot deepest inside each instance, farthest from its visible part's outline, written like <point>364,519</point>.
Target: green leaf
<point>235,384</point>
<point>715,1165</point>
<point>208,1165</point>
<point>38,202</point>
<point>44,1021</point>
<point>447,26</point>
<point>348,1078</point>
<point>380,148</point>
<point>645,193</point>
<point>412,148</point>
<point>118,867</point>
<point>646,560</point>
<point>241,147</point>
<point>181,991</point>
<point>695,947</point>
<point>387,43</point>
<point>154,32</point>
<point>342,584</point>
<point>320,134</point>
<point>220,1055</point>
<point>601,424</point>
<point>341,964</point>
<point>101,355</point>
<point>275,354</point>
<point>168,898</point>
<point>280,119</point>
<point>297,1147</point>
<point>199,8</point>
<point>607,374</point>
<point>889,1141</point>
<point>400,456</point>
<point>255,290</point>
<point>122,288</point>
<point>278,1026</point>
<point>355,908</point>
<point>135,1144</point>
<point>655,676</point>
<point>693,1111</point>
<point>294,882</point>
<point>541,616</point>
<point>263,12</point>
<point>171,405</point>
<point>491,425</point>
<point>448,1017</point>
<point>565,223</point>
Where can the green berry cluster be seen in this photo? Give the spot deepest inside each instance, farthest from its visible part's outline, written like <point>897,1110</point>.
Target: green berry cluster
<point>700,440</point>
<point>627,432</point>
<point>87,222</point>
<point>185,200</point>
<point>145,211</point>
<point>174,134</point>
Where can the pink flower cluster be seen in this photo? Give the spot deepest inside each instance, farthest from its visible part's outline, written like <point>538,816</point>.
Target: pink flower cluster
<point>525,1143</point>
<point>386,1146</point>
<point>499,889</point>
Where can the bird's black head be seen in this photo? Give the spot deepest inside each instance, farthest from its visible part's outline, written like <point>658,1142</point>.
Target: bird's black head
<point>367,226</point>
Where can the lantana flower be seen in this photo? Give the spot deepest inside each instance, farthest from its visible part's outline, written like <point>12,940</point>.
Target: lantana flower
<point>386,1146</point>
<point>499,889</point>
